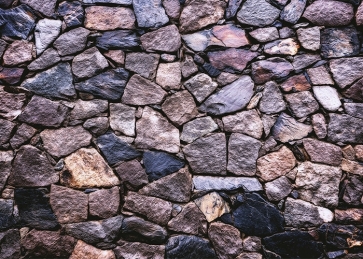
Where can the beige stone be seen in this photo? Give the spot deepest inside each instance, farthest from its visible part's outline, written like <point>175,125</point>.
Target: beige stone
<point>83,250</point>
<point>212,205</point>
<point>18,52</point>
<point>169,75</point>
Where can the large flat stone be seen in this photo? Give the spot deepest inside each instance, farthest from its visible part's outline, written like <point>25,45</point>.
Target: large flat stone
<point>122,118</point>
<point>322,152</point>
<point>72,41</point>
<point>165,39</point>
<point>104,203</point>
<point>271,68</point>
<point>150,14</point>
<point>257,13</point>
<point>88,63</point>
<point>344,128</point>
<point>197,128</point>
<point>200,86</point>
<point>144,64</point>
<point>208,183</point>
<point>339,42</point>
<point>346,70</point>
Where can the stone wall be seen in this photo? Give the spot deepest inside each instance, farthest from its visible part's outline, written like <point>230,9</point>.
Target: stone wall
<point>182,129</point>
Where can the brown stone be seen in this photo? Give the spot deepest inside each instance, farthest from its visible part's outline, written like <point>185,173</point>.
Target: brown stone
<point>253,255</point>
<point>5,167</point>
<point>188,67</point>
<point>322,152</point>
<point>132,174</point>
<point>104,203</point>
<point>349,216</point>
<point>11,104</point>
<point>172,8</point>
<point>282,47</point>
<point>6,130</point>
<point>169,75</point>
<point>319,125</point>
<point>116,55</point>
<point>231,59</point>
<point>83,250</point>
<point>87,109</point>
<point>349,152</point>
<point>212,205</point>
<point>296,83</point>
<point>272,100</point>
<point>359,152</point>
<point>97,125</point>
<point>144,64</point>
<point>359,15</point>
<point>127,249</point>
<point>18,52</point>
<point>278,189</point>
<point>352,167</point>
<point>272,68</point>
<point>165,39</point>
<point>230,35</point>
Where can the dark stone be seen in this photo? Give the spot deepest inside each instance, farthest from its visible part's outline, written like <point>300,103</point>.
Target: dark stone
<point>149,13</point>
<point>5,3</point>
<point>345,128</point>
<point>272,68</point>
<point>294,244</point>
<point>189,247</point>
<point>45,7</point>
<point>165,39</point>
<point>211,70</point>
<point>339,42</point>
<point>11,76</point>
<point>118,39</point>
<point>353,191</point>
<point>6,214</point>
<point>6,129</point>
<point>5,167</point>
<point>159,164</point>
<point>72,13</point>
<point>132,174</point>
<point>109,85</point>
<point>34,209</point>
<point>293,11</point>
<point>114,149</point>
<point>11,104</point>
<point>232,8</point>
<point>10,244</point>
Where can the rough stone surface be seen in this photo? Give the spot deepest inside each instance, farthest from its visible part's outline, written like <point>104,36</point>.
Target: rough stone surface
<point>346,70</point>
<point>257,13</point>
<point>272,68</point>
<point>48,58</point>
<point>322,152</point>
<point>84,250</point>
<point>72,13</point>
<point>11,104</point>
<point>104,203</point>
<point>18,52</point>
<point>212,206</point>
<point>278,189</point>
<point>132,174</point>
<point>6,158</point>
<point>97,125</point>
<point>72,41</point>
<point>287,129</point>
<point>292,12</point>
<point>320,76</point>
<point>208,183</point>
<point>6,129</point>
<point>282,47</point>
<point>165,39</point>
<point>246,122</point>
<point>319,125</point>
<point>126,249</point>
<point>150,14</point>
<point>265,34</point>
<point>122,118</point>
<point>197,128</point>
<point>344,128</point>
<point>46,32</point>
<point>301,104</point>
<point>46,7</point>
<point>169,75</point>
<point>143,64</point>
<point>200,86</point>
<point>124,39</point>
<point>272,100</point>
<point>89,63</point>
<point>309,38</point>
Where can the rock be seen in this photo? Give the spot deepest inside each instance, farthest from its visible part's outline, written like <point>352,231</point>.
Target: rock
<point>34,209</point>
<point>46,32</point>
<point>180,183</point>
<point>11,76</point>
<point>165,39</point>
<point>349,152</point>
<point>275,164</point>
<point>208,183</point>
<point>232,8</point>
<point>208,155</point>
<point>329,13</point>
<point>87,109</point>
<point>359,16</point>
<point>104,203</point>
<point>320,76</point>
<point>299,213</point>
<point>72,13</point>
<point>272,100</point>
<point>100,17</point>
<point>45,7</point>
<point>190,221</point>
<point>293,11</point>
<point>246,122</point>
<point>109,85</point>
<point>309,38</point>
<point>197,128</point>
<point>355,91</point>
<point>68,205</point>
<point>200,86</point>
<point>124,39</point>
<point>31,168</point>
<point>169,75</point>
<point>172,8</point>
<point>268,121</point>
<point>72,41</point>
<point>86,168</point>
<point>296,83</point>
<point>188,67</point>
<point>339,42</point>
<point>354,109</point>
<point>209,12</point>
<point>89,63</point>
<point>136,89</point>
<point>137,229</point>
<point>252,244</point>
<point>120,2</point>
<point>150,14</point>
<point>122,118</point>
<point>346,70</point>
<point>322,152</point>
<point>64,141</point>
<point>56,82</point>
<point>296,244</point>
<point>6,158</point>
<point>344,128</point>
<point>319,125</point>
<point>11,104</point>
<point>143,64</point>
<point>304,60</point>
<point>318,183</point>
<point>97,126</point>
<point>349,216</point>
<point>114,149</point>
<point>257,13</point>
<point>231,98</point>
<point>302,104</point>
<point>278,189</point>
<point>6,212</point>
<point>271,68</point>
<point>132,174</point>
<point>287,129</point>
<point>10,243</point>
<point>352,167</point>
<point>154,131</point>
<point>17,22</point>
<point>126,249</point>
<point>83,250</point>
<point>160,164</point>
<point>116,55</point>
<point>226,78</point>
<point>265,34</point>
<point>212,205</point>
<point>6,129</point>
<point>48,58</point>
<point>18,52</point>
<point>282,47</point>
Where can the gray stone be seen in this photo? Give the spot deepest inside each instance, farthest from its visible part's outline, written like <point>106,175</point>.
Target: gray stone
<point>305,60</point>
<point>301,104</point>
<point>46,7</point>
<point>232,8</point>
<point>265,34</point>
<point>349,216</point>
<point>354,109</point>
<point>143,64</point>
<point>252,244</point>
<point>48,58</point>
<point>278,189</point>
<point>72,41</point>
<point>18,52</point>
<point>72,13</point>
<point>339,42</point>
<point>5,167</point>
<point>268,121</point>
<point>126,249</point>
<point>11,104</point>
<point>293,11</point>
<point>272,68</point>
<point>150,14</point>
<point>257,13</point>
<point>169,75</point>
<point>6,212</point>
<point>188,67</point>
<point>6,130</point>
<point>104,203</point>
<point>122,118</point>
<point>272,100</point>
<point>10,244</point>
<point>353,191</point>
<point>320,76</point>
<point>322,152</point>
<point>172,8</point>
<point>165,39</point>
<point>197,128</point>
<point>89,63</point>
<point>345,128</point>
<point>46,32</point>
<point>87,109</point>
<point>97,125</point>
<point>352,167</point>
<point>319,125</point>
<point>287,46</point>
<point>209,183</point>
<point>200,86</point>
<point>226,78</point>
<point>309,38</point>
<point>346,70</point>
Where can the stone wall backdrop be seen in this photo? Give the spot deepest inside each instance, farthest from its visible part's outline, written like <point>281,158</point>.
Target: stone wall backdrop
<point>181,129</point>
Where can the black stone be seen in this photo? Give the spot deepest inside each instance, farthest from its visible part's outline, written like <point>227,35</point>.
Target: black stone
<point>232,8</point>
<point>6,214</point>
<point>109,85</point>
<point>34,209</point>
<point>294,244</point>
<point>159,164</point>
<point>344,128</point>
<point>72,13</point>
<point>10,244</point>
<point>211,70</point>
<point>6,3</point>
<point>118,39</point>
<point>114,149</point>
<point>189,247</point>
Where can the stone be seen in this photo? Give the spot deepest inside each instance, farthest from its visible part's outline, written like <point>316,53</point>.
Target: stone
<point>207,155</point>
<point>46,32</point>
<point>226,78</point>
<point>72,41</point>
<point>345,128</point>
<point>64,141</point>
<point>109,85</point>
<point>172,8</point>
<point>339,42</point>
<point>322,152</point>
<point>10,243</point>
<point>349,152</point>
<point>226,240</point>
<point>269,69</point>
<point>353,191</point>
<point>355,91</point>
<point>55,82</point>
<point>126,249</point>
<point>122,118</point>
<point>268,121</point>
<point>301,104</point>
<point>11,76</point>
<point>104,203</point>
<point>137,229</point>
<point>114,149</point>
<point>132,174</point>
<point>320,76</point>
<point>299,213</point>
<point>150,14</point>
<point>200,86</point>
<point>272,100</point>
<point>257,13</point>
<point>293,11</point>
<point>48,58</point>
<point>160,164</point>
<point>278,189</point>
<point>252,244</point>
<point>349,216</point>
<point>265,34</point>
<point>97,125</point>
<point>6,212</point>
<point>121,39</point>
<point>230,98</point>
<point>84,250</point>
<point>297,83</point>
<point>87,109</point>
<point>352,167</point>
<point>169,75</point>
<point>288,129</point>
<point>144,64</point>
<point>249,256</point>
<point>212,205</point>
<point>31,168</point>
<point>232,8</point>
<point>318,184</point>
<point>116,55</point>
<point>197,128</point>
<point>188,67</point>
<point>175,187</point>
<point>246,122</point>
<point>209,12</point>
<point>6,129</point>
<point>304,60</point>
<point>18,52</point>
<point>282,47</point>
<point>120,2</point>
<point>354,109</point>
<point>346,70</point>
<point>154,131</point>
<point>209,183</point>
<point>68,205</point>
<point>319,125</point>
<point>89,63</point>
<point>359,16</point>
<point>190,221</point>
<point>105,18</point>
<point>11,104</point>
<point>34,209</point>
<point>6,158</point>
<point>72,13</point>
<point>86,168</point>
<point>136,89</point>
<point>329,13</point>
<point>165,39</point>
<point>45,7</point>
<point>309,38</point>
<point>276,164</point>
